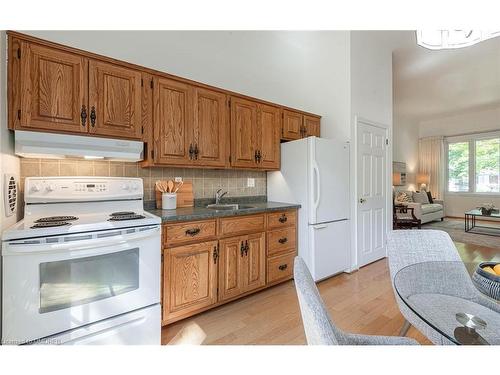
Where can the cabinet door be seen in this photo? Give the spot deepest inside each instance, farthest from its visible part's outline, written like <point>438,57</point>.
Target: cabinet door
<point>231,255</point>
<point>312,125</point>
<point>190,279</point>
<point>255,262</point>
<point>268,135</point>
<point>211,131</point>
<point>54,90</point>
<point>115,99</point>
<point>243,132</point>
<point>292,125</point>
<point>172,117</point>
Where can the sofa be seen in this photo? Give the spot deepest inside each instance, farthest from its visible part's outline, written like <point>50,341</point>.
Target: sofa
<point>424,206</point>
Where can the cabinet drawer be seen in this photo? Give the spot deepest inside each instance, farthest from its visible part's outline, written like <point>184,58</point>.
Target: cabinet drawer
<point>281,219</point>
<point>241,225</point>
<point>189,231</point>
<point>281,241</point>
<point>280,268</point>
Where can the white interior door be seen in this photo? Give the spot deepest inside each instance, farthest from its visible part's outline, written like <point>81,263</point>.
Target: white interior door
<point>371,192</point>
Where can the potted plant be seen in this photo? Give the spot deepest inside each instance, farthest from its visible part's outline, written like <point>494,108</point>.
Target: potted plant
<point>487,209</point>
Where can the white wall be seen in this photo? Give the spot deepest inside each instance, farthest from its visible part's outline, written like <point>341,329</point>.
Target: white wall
<point>308,70</point>
<point>9,163</point>
<point>371,99</point>
<point>405,148</point>
<point>462,123</point>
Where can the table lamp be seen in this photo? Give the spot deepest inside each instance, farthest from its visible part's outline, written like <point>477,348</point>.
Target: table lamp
<point>423,179</point>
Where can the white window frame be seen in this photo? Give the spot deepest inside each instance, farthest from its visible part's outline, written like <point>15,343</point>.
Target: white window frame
<point>471,139</point>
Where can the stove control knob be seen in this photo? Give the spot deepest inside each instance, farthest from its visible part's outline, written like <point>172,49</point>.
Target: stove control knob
<point>50,187</point>
<point>35,188</point>
<point>135,186</point>
<point>125,187</point>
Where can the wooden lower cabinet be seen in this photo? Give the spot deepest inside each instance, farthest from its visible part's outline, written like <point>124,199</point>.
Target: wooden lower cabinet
<point>242,265</point>
<point>190,279</point>
<point>199,276</point>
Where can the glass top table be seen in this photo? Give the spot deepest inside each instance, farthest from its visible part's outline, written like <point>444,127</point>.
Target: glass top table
<point>442,295</point>
<point>472,227</point>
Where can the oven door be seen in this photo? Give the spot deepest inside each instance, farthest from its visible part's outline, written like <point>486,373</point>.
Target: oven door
<point>59,283</point>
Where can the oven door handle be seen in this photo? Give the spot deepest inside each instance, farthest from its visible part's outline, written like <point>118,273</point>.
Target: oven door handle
<point>19,248</point>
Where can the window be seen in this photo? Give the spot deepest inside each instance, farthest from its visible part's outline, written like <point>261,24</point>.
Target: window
<point>474,164</point>
<point>458,166</point>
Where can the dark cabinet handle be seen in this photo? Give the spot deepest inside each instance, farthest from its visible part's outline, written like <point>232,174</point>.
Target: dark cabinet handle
<point>191,151</point>
<point>196,151</point>
<point>246,247</point>
<point>283,267</point>
<point>283,240</point>
<point>83,115</point>
<point>255,156</point>
<point>283,219</point>
<point>216,254</point>
<point>242,248</point>
<point>92,116</point>
<point>192,231</point>
<point>259,156</point>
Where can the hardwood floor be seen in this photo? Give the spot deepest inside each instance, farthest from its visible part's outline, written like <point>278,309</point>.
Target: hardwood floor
<point>361,302</point>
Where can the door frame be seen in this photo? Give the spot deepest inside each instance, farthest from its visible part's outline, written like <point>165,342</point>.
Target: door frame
<point>354,183</point>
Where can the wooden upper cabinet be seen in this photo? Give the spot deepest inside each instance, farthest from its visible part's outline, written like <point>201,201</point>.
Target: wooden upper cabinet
<point>268,136</point>
<point>312,125</point>
<point>292,125</point>
<point>255,262</point>
<point>243,132</point>
<point>210,128</point>
<point>172,121</point>
<point>190,279</point>
<point>53,93</point>
<point>114,101</point>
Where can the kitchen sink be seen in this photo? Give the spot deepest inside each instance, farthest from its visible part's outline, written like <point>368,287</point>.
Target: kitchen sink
<point>228,207</point>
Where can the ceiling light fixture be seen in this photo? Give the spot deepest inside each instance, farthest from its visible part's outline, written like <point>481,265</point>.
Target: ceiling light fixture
<point>451,39</point>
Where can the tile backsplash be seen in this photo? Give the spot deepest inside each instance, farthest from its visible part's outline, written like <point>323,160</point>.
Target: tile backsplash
<point>205,181</point>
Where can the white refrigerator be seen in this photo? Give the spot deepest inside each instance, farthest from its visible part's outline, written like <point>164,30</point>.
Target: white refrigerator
<point>315,173</point>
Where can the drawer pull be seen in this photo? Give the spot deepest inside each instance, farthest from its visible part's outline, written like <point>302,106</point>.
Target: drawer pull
<point>283,219</point>
<point>192,232</point>
<point>283,267</point>
<point>283,240</point>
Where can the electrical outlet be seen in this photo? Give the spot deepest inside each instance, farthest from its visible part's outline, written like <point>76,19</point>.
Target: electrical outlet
<point>178,179</point>
<point>250,182</point>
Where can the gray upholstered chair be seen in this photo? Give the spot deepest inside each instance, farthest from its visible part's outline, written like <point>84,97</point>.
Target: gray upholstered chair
<point>318,326</point>
<point>406,247</point>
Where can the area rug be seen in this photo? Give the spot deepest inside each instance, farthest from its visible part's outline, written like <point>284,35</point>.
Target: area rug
<point>455,228</point>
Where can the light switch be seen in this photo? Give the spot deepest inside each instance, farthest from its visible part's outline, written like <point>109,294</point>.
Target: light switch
<point>250,182</point>
<point>178,179</point>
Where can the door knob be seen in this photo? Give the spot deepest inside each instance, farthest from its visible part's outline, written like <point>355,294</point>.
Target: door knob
<point>362,200</point>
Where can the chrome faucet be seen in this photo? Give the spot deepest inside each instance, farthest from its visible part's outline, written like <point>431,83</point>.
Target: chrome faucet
<point>218,195</point>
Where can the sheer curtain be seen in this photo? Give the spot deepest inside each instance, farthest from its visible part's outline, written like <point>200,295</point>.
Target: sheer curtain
<point>431,162</point>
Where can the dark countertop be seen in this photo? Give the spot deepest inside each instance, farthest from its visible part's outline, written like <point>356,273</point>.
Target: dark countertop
<point>200,213</point>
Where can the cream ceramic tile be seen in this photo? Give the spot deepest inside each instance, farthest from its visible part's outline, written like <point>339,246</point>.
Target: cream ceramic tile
<point>68,168</point>
<point>30,169</point>
<point>130,170</point>
<point>49,168</point>
<point>117,169</point>
<point>101,168</point>
<point>144,172</point>
<point>85,168</point>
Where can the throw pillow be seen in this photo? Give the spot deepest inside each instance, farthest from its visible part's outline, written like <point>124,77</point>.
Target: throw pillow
<point>403,197</point>
<point>429,196</point>
<point>421,197</point>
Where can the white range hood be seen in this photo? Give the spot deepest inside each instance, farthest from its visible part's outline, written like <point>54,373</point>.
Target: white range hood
<point>48,145</point>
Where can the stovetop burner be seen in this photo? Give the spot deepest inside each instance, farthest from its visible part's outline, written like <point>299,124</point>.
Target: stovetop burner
<point>133,216</point>
<point>123,213</point>
<point>49,224</point>
<point>51,219</point>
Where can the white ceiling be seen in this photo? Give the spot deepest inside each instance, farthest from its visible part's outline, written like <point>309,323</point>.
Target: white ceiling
<point>431,84</point>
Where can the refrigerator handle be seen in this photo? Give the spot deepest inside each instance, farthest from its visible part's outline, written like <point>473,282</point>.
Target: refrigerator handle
<point>317,185</point>
<point>320,226</point>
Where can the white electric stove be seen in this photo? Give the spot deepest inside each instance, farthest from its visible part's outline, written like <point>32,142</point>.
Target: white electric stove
<point>83,267</point>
